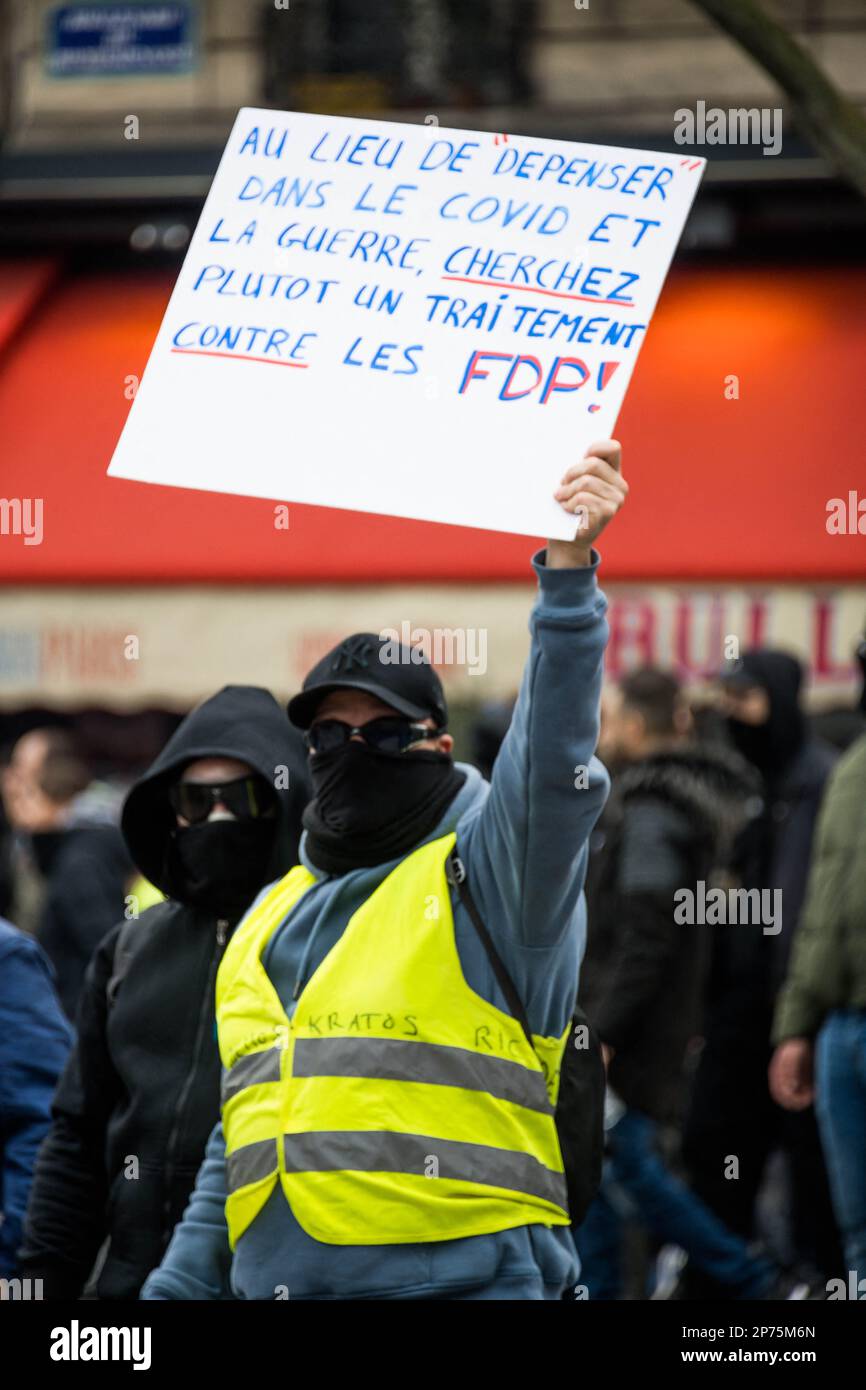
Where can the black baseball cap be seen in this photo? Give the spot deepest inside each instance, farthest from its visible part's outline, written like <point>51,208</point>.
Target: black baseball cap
<point>401,676</point>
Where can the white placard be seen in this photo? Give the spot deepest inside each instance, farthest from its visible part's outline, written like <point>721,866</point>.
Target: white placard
<point>404,319</point>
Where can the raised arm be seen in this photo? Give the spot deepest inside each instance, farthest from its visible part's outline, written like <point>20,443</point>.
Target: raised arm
<point>527,847</point>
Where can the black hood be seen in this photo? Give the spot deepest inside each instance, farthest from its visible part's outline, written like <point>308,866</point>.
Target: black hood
<point>241,721</point>
<point>772,746</point>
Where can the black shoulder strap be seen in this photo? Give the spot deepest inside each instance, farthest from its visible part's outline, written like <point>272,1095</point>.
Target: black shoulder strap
<point>455,872</point>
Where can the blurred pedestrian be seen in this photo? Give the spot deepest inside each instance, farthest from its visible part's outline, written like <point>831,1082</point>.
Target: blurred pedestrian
<point>69,822</point>
<point>732,1112</point>
<point>670,822</point>
<point>820,1021</point>
<point>35,1039</point>
<point>214,819</point>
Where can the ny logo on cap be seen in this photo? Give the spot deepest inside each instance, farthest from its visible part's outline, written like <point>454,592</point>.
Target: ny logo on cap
<point>355,651</point>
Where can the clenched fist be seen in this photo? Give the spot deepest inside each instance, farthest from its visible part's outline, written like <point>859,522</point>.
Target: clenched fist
<point>593,491</point>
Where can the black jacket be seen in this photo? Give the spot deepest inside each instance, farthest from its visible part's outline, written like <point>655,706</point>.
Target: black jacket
<point>87,869</point>
<point>140,1094</point>
<point>670,821</point>
<point>773,852</point>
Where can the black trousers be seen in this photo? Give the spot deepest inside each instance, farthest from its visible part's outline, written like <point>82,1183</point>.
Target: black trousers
<point>732,1114</point>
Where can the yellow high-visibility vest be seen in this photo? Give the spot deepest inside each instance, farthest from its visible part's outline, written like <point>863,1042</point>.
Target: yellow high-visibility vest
<point>397,1105</point>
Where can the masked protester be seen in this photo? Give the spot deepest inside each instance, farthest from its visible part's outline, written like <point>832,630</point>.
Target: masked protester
<point>387,1131</point>
<point>732,1111</point>
<point>215,818</point>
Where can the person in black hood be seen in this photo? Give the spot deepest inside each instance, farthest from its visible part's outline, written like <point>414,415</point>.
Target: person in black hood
<point>213,821</point>
<point>761,703</point>
<point>732,1111</point>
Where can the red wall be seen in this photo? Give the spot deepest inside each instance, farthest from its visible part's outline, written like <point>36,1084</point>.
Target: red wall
<point>721,489</point>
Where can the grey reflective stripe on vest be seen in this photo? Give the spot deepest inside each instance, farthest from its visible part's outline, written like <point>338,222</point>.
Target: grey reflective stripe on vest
<point>383,1151</point>
<point>250,1163</point>
<point>390,1059</point>
<point>251,1070</point>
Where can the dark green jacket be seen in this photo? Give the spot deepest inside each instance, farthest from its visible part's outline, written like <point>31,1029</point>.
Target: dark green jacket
<point>828,962</point>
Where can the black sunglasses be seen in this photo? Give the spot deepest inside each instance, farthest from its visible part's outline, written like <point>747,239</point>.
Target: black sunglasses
<point>388,735</point>
<point>248,798</point>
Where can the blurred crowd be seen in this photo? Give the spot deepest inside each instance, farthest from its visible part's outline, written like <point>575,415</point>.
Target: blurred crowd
<point>736,1049</point>
<point>735,1045</point>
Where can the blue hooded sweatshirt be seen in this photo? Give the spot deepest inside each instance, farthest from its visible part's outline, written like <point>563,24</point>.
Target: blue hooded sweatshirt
<point>523,838</point>
<point>35,1039</point>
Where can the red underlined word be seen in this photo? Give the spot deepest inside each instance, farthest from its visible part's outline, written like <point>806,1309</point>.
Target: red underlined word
<point>236,357</point>
<point>532,289</point>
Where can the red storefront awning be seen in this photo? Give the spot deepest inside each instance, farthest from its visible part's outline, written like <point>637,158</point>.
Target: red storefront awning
<point>724,485</point>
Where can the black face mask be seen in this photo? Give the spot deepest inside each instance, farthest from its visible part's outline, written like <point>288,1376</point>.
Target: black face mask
<point>770,746</point>
<point>371,806</point>
<point>750,740</point>
<point>221,865</point>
